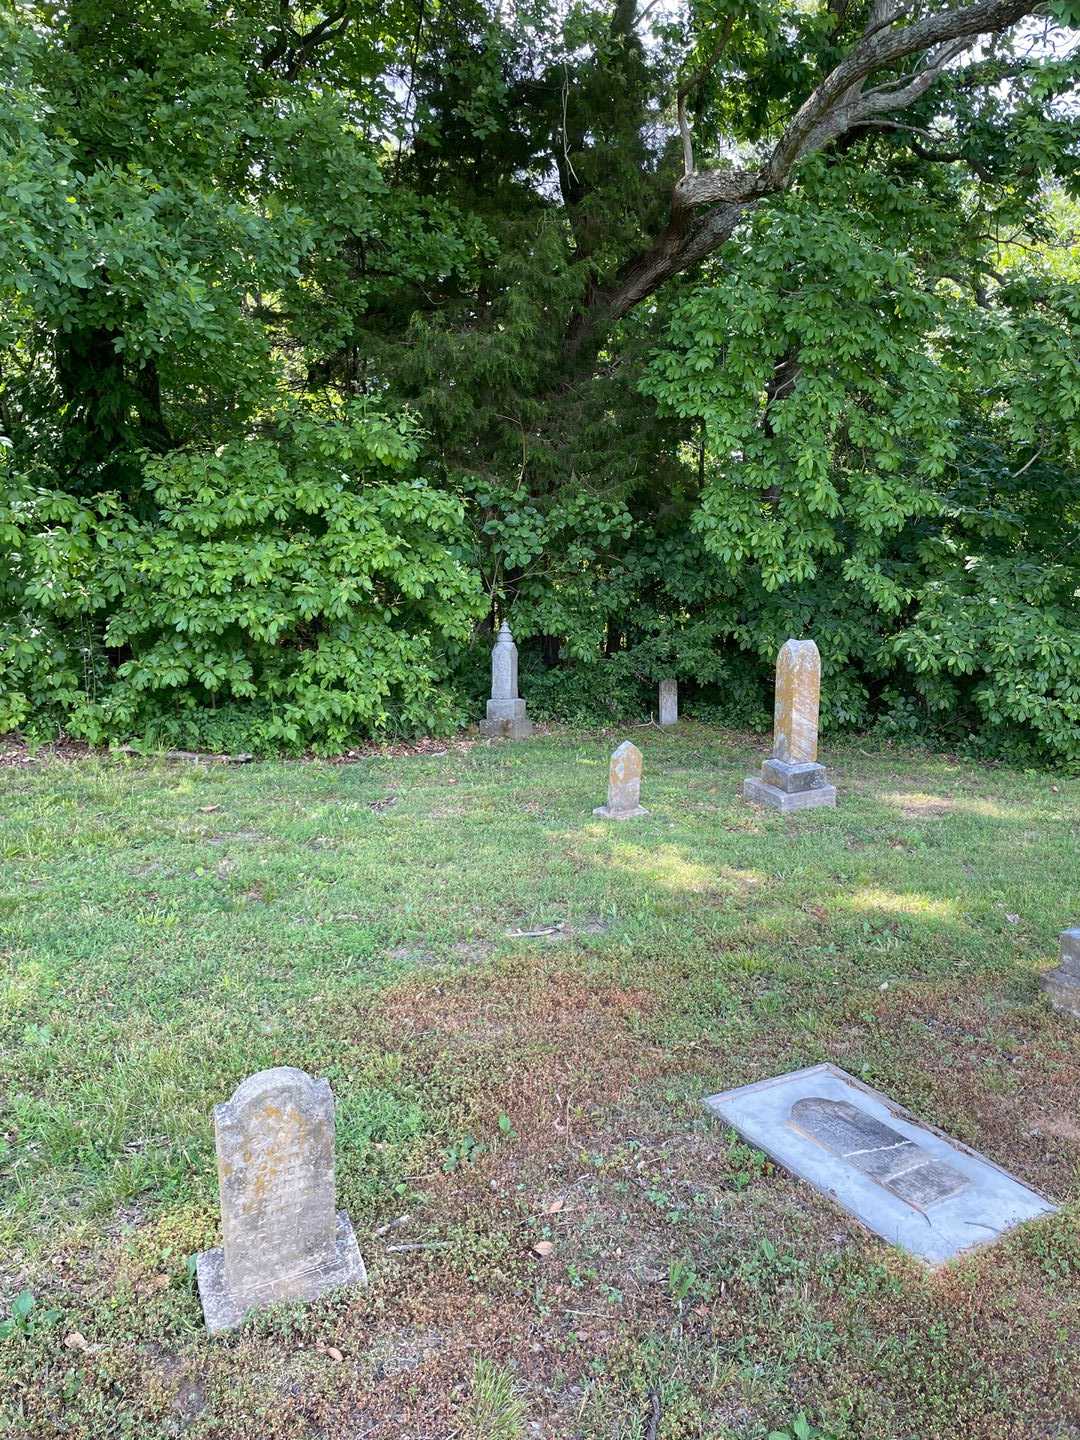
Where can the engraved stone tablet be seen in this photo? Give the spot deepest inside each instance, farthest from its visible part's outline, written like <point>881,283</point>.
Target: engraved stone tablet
<point>906,1181</point>
<point>282,1238</point>
<point>669,702</point>
<point>624,785</point>
<point>877,1150</point>
<point>505,710</point>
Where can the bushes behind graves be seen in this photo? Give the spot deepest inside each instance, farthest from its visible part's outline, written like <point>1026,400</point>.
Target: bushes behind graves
<point>299,588</point>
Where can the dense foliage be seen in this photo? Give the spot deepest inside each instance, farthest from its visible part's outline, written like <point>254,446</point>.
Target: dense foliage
<point>326,336</point>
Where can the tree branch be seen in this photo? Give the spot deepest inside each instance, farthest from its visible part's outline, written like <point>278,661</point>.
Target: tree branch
<point>934,36</point>
<point>298,48</point>
<point>707,205</point>
<point>690,85</point>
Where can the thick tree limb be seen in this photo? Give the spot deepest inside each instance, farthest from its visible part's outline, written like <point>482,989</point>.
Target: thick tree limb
<point>707,205</point>
<point>885,43</point>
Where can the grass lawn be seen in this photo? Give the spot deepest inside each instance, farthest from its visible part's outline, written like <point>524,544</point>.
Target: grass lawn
<point>168,928</point>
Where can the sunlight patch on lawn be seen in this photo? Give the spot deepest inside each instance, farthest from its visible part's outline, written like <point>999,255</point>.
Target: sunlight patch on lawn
<point>667,868</point>
<point>869,898</point>
<point>916,804</point>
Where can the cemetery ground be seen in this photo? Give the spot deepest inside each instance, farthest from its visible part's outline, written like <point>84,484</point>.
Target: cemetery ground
<point>519,1008</point>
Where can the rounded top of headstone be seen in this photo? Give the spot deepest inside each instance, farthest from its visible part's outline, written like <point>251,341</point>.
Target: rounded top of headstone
<point>504,631</point>
<point>303,1087</point>
<point>799,647</point>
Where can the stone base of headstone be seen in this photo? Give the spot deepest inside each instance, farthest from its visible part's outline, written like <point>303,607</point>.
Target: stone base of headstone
<point>507,718</point>
<point>1063,991</point>
<point>224,1310</point>
<point>788,785</point>
<point>1062,986</point>
<point>608,812</point>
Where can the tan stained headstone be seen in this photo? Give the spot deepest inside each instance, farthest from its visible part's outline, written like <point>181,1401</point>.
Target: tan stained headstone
<point>792,779</point>
<point>798,699</point>
<point>624,785</point>
<point>282,1237</point>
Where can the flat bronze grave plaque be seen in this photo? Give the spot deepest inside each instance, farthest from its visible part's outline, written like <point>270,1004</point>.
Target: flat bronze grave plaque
<point>907,1182</point>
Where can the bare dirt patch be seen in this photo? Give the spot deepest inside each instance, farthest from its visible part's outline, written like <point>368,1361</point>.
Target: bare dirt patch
<point>15,752</point>
<point>411,955</point>
<point>474,952</point>
<point>543,1045</point>
<point>401,749</point>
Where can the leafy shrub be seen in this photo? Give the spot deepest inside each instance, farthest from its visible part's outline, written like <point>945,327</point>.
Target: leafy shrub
<point>582,694</point>
<point>296,588</point>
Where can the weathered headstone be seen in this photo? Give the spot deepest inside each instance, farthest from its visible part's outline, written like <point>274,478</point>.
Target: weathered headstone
<point>791,779</point>
<point>624,785</point>
<point>1063,984</point>
<point>505,710</point>
<point>669,702</point>
<point>282,1238</point>
<point>905,1180</point>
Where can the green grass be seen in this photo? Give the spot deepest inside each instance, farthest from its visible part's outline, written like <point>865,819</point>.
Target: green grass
<point>166,929</point>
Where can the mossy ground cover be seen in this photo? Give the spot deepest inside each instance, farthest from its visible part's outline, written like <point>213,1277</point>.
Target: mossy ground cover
<point>519,1008</point>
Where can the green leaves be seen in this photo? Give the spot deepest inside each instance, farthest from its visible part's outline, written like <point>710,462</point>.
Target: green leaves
<point>800,1429</point>
<point>827,413</point>
<point>861,418</point>
<point>24,1317</point>
<point>307,581</point>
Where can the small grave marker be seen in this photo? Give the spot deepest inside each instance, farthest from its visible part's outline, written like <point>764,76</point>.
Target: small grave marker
<point>669,702</point>
<point>624,785</point>
<point>282,1238</point>
<point>906,1181</point>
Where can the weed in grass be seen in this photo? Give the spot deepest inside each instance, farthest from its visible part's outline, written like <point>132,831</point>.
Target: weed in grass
<point>25,1318</point>
<point>494,1409</point>
<point>801,1429</point>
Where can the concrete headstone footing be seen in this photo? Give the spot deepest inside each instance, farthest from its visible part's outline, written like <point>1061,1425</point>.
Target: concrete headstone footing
<point>905,1180</point>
